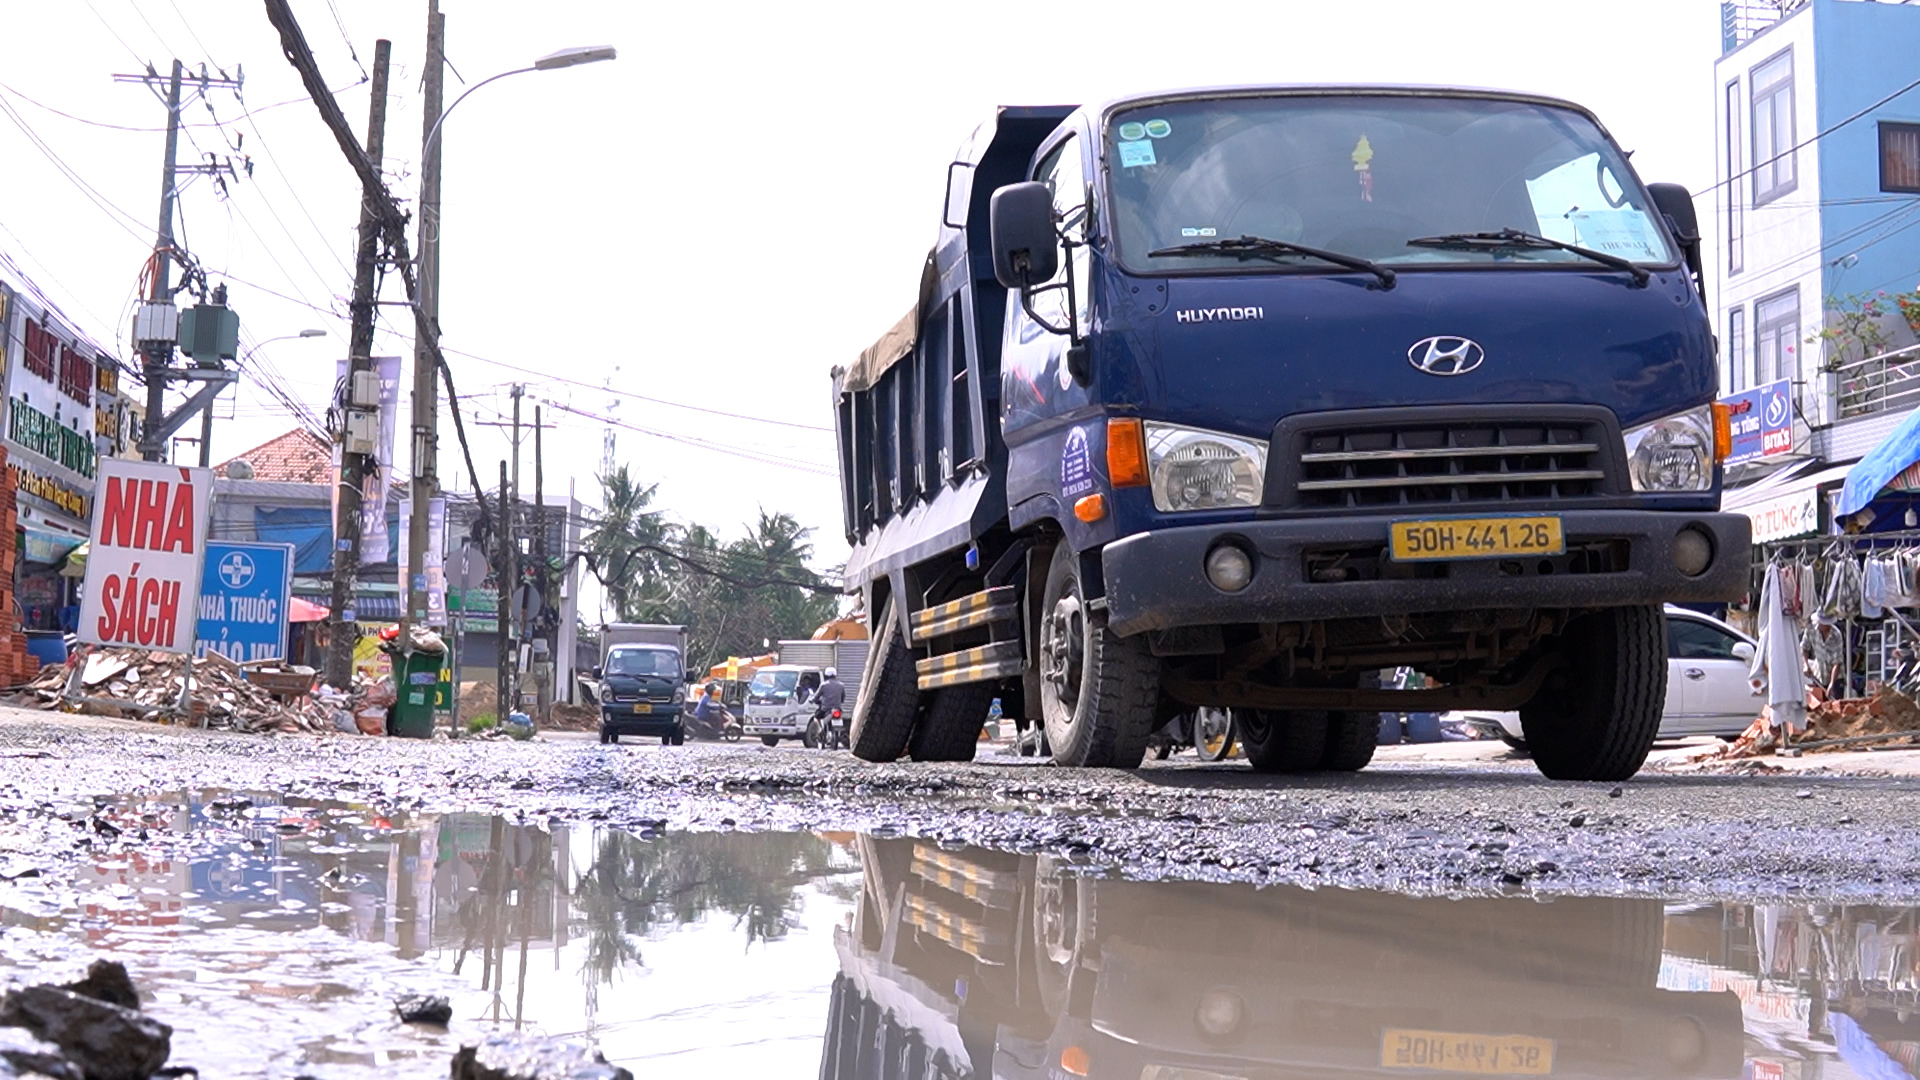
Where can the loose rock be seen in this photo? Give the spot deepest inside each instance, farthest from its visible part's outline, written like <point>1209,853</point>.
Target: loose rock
<point>106,1041</point>
<point>511,1056</point>
<point>423,1009</point>
<point>29,1056</point>
<point>107,981</point>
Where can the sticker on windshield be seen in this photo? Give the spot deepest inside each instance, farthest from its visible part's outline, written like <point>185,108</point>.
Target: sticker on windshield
<point>1133,130</point>
<point>1208,231</point>
<point>1363,164</point>
<point>1159,129</point>
<point>1626,233</point>
<point>1136,153</point>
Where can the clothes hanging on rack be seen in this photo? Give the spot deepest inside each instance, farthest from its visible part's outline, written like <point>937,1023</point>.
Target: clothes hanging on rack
<point>1876,591</point>
<point>1778,666</point>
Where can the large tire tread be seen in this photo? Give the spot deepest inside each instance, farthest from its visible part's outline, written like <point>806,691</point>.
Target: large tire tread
<point>1600,721</point>
<point>1284,741</point>
<point>1113,715</point>
<point>889,699</point>
<point>950,728</point>
<point>1351,738</point>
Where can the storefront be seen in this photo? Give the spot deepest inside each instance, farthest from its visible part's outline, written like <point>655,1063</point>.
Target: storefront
<point>56,380</point>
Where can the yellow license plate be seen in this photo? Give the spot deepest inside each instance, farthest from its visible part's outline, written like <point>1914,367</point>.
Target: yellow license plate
<point>1450,1051</point>
<point>1476,538</point>
<point>642,707</point>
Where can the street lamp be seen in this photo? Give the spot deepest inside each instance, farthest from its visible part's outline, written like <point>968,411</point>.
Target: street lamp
<point>565,58</point>
<point>206,415</point>
<point>424,483</point>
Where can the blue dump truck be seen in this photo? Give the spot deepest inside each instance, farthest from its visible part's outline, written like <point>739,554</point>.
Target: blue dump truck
<point>1234,398</point>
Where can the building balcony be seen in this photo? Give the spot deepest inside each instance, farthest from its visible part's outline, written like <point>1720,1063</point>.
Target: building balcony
<point>1889,382</point>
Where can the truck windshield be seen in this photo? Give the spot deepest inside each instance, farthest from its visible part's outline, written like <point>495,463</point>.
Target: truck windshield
<point>1361,175</point>
<point>643,662</point>
<point>772,686</point>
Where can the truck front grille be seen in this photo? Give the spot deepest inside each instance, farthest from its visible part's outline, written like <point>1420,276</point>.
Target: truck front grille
<point>1394,461</point>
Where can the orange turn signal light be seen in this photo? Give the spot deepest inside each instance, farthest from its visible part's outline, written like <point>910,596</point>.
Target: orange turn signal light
<point>1126,452</point>
<point>1090,508</point>
<point>1722,432</point>
<point>1076,1061</point>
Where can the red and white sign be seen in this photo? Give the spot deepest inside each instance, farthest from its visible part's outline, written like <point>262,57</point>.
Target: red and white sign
<point>143,566</point>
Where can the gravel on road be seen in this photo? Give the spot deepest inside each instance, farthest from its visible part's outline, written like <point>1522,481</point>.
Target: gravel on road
<point>1426,827</point>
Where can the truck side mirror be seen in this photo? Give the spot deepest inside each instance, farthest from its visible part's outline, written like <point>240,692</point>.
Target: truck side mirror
<point>693,675</point>
<point>1026,252</point>
<point>1675,202</point>
<point>596,674</point>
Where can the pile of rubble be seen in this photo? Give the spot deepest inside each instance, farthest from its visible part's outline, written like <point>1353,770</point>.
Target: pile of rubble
<point>1888,718</point>
<point>135,683</point>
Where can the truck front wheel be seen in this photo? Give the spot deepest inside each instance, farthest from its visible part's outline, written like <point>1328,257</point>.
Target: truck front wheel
<point>889,698</point>
<point>1097,689</point>
<point>1597,715</point>
<point>1351,737</point>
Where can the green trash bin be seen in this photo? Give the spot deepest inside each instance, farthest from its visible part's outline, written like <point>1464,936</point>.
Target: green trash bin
<point>416,676</point>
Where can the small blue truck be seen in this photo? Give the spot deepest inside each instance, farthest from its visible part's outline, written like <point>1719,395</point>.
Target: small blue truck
<point>1235,397</point>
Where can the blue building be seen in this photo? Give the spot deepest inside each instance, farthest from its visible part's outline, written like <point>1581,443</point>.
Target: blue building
<point>1816,213</point>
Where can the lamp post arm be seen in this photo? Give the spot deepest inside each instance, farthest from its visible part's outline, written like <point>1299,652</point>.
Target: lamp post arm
<point>426,147</point>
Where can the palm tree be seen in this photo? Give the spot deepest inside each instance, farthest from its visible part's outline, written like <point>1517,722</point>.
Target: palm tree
<point>633,579</point>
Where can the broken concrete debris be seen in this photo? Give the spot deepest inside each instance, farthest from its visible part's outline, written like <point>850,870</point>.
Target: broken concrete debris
<point>258,696</point>
<point>89,1036</point>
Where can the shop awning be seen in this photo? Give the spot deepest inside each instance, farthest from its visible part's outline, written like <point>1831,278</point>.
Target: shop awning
<point>299,610</point>
<point>76,564</point>
<point>47,546</point>
<point>1866,480</point>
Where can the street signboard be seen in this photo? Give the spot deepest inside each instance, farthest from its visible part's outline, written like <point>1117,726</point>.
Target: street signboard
<point>148,544</point>
<point>244,594</point>
<point>1762,421</point>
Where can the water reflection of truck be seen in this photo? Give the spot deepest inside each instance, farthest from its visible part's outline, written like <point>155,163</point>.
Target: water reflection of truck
<point>779,699</point>
<point>979,964</point>
<point>1231,398</point>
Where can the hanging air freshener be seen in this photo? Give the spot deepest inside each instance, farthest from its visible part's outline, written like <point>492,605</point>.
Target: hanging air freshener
<point>1363,164</point>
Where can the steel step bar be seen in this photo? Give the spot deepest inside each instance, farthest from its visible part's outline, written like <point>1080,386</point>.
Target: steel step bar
<point>998,660</point>
<point>1000,604</point>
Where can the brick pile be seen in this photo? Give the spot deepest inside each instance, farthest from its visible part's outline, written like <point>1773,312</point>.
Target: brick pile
<point>16,667</point>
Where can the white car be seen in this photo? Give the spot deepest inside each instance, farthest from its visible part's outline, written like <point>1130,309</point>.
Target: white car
<point>1707,688</point>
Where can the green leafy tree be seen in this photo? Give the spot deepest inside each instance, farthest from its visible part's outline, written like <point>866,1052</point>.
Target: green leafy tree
<point>635,580</point>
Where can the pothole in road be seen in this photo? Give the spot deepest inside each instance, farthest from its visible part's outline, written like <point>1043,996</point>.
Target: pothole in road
<point>275,936</point>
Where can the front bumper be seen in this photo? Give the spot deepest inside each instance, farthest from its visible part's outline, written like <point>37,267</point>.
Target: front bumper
<point>1157,581</point>
<point>621,719</point>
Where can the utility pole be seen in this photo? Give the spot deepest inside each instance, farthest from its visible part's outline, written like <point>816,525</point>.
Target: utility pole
<point>511,597</point>
<point>353,462</point>
<point>426,398</point>
<point>160,354</point>
<point>505,571</point>
<point>156,328</point>
<point>542,571</point>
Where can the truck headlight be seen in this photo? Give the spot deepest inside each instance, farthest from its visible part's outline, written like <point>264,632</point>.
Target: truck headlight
<point>1192,469</point>
<point>1674,453</point>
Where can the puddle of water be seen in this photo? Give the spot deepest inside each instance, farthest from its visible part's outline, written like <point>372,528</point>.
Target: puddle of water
<point>274,936</point>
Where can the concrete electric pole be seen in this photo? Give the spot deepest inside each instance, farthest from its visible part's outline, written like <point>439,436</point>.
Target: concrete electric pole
<point>358,437</point>
<point>426,399</point>
<point>157,327</point>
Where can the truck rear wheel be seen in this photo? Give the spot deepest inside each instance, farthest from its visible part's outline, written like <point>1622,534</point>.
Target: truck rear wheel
<point>1284,740</point>
<point>949,730</point>
<point>1596,717</point>
<point>1351,737</point>
<point>889,698</point>
<point>1097,689</point>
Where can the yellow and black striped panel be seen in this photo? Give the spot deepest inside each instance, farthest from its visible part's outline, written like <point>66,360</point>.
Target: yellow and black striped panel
<point>998,604</point>
<point>959,874</point>
<point>978,664</point>
<point>990,944</point>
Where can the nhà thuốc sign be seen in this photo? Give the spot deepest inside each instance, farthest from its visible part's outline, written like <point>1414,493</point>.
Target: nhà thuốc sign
<point>144,561</point>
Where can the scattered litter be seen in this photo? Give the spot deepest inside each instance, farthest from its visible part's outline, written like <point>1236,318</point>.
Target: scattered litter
<point>260,696</point>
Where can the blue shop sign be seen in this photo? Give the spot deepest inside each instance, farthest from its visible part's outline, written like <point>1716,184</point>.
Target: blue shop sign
<point>1762,421</point>
<point>244,595</point>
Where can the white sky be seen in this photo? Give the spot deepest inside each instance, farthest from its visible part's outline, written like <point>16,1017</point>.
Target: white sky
<point>737,204</point>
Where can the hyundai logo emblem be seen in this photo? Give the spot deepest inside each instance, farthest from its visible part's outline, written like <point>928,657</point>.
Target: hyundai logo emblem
<point>1446,355</point>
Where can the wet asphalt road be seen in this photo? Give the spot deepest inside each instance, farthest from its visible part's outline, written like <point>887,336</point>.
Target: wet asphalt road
<point>1426,829</point>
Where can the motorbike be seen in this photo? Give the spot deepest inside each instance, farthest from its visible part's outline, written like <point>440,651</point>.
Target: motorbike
<point>826,731</point>
<point>727,730</point>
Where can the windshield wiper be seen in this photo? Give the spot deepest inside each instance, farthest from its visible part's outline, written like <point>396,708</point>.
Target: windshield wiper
<point>1259,247</point>
<point>1515,240</point>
